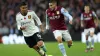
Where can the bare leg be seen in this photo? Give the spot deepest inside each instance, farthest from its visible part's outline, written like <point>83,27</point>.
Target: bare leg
<point>61,46</point>
<point>37,48</point>
<point>69,43</point>
<point>87,44</point>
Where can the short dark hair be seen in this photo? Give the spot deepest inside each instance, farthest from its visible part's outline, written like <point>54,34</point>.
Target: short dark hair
<point>87,5</point>
<point>22,4</point>
<point>54,1</point>
<point>51,1</point>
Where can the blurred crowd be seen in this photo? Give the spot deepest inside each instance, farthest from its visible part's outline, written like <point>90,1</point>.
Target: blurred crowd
<point>9,8</point>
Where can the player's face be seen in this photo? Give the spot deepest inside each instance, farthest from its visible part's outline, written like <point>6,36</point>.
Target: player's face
<point>24,9</point>
<point>87,8</point>
<point>52,5</point>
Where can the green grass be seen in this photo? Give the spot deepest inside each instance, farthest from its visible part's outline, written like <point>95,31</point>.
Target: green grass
<point>52,48</point>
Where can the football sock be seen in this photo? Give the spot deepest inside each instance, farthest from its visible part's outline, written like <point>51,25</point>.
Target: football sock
<point>41,52</point>
<point>92,42</point>
<point>62,48</point>
<point>44,47</point>
<point>87,43</point>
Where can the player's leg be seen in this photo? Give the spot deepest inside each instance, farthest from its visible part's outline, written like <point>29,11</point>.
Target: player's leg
<point>58,37</point>
<point>86,31</point>
<point>32,43</point>
<point>67,37</point>
<point>41,52</point>
<point>40,44</point>
<point>92,38</point>
<point>87,44</point>
<point>43,45</point>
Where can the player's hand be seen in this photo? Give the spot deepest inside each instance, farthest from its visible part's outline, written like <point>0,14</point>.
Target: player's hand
<point>70,22</point>
<point>42,30</point>
<point>96,24</point>
<point>23,27</point>
<point>82,25</point>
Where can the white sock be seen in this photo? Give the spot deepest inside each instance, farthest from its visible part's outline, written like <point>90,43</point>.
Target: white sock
<point>87,43</point>
<point>62,49</point>
<point>41,52</point>
<point>92,42</point>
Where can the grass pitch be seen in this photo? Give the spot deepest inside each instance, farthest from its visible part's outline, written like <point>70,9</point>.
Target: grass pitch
<point>52,49</point>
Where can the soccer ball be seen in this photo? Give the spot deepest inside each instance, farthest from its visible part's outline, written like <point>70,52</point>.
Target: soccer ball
<point>49,55</point>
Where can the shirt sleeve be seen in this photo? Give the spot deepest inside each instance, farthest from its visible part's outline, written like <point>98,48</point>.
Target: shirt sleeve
<point>81,16</point>
<point>66,14</point>
<point>37,18</point>
<point>18,22</point>
<point>47,21</point>
<point>94,14</point>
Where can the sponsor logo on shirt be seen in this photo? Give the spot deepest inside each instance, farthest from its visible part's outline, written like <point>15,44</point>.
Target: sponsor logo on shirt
<point>54,17</point>
<point>25,23</point>
<point>87,18</point>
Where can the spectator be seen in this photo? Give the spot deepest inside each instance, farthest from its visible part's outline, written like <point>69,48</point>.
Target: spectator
<point>7,14</point>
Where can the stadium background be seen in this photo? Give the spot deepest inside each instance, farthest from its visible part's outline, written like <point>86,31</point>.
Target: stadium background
<point>9,33</point>
<point>9,8</point>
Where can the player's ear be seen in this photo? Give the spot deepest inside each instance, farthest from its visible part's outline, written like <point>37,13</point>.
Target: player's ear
<point>20,8</point>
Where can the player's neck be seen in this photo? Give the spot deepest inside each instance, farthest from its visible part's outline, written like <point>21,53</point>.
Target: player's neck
<point>24,14</point>
<point>55,7</point>
<point>87,11</point>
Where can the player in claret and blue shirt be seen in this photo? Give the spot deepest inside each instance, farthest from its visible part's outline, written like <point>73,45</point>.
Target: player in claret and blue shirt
<point>55,18</point>
<point>87,21</point>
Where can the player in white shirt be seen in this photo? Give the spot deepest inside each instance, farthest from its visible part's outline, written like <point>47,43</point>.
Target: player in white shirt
<point>25,22</point>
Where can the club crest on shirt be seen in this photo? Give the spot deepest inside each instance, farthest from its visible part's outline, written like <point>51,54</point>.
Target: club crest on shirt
<point>58,12</point>
<point>90,14</point>
<point>29,17</point>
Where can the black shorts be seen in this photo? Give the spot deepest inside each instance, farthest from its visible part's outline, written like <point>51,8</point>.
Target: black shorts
<point>32,40</point>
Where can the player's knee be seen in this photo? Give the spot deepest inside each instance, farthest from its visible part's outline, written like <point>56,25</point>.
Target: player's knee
<point>86,37</point>
<point>40,43</point>
<point>70,42</point>
<point>36,47</point>
<point>59,39</point>
<point>91,34</point>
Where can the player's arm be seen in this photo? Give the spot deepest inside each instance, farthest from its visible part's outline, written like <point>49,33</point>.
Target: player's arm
<point>66,14</point>
<point>19,24</point>
<point>47,21</point>
<point>96,21</point>
<point>94,14</point>
<point>82,24</point>
<point>38,21</point>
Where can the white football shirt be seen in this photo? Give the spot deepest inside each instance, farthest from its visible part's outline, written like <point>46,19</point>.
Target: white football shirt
<point>28,22</point>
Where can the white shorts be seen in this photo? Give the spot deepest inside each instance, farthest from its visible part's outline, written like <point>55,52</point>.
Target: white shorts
<point>63,33</point>
<point>89,30</point>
